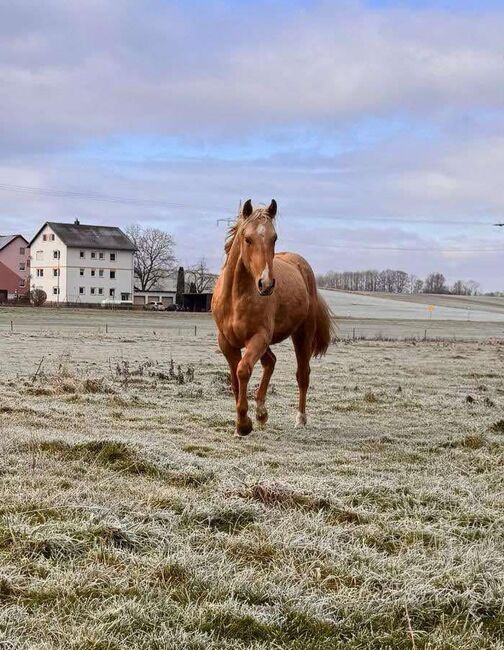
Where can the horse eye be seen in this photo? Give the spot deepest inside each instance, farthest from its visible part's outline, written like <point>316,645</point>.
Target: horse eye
<point>248,240</point>
<point>275,238</point>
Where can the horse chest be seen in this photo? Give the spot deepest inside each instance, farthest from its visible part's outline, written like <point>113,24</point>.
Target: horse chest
<point>244,321</point>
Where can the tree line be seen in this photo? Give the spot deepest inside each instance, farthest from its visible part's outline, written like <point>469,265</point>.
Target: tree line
<point>395,281</point>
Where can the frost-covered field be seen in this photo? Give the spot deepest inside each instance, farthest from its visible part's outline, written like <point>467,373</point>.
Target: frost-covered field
<point>130,518</point>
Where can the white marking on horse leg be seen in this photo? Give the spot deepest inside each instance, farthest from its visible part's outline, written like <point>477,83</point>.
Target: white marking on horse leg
<point>261,413</point>
<point>301,420</point>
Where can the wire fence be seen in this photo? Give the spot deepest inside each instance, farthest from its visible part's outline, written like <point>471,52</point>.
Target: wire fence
<point>202,327</point>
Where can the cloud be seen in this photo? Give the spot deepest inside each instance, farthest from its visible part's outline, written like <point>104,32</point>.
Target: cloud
<point>342,111</point>
<point>74,70</point>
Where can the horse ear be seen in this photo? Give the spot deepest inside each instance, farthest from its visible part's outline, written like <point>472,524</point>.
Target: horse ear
<point>272,209</point>
<point>247,208</point>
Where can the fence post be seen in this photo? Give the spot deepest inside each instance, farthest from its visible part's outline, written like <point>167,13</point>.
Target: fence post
<point>353,334</point>
<point>195,330</point>
<point>425,335</point>
<point>106,328</point>
<point>12,326</point>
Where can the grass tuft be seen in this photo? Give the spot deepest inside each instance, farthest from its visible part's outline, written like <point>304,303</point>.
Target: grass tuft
<point>115,455</point>
<point>275,494</point>
<point>497,427</point>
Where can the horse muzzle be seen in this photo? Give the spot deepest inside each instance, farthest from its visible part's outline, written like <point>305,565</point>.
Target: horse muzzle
<point>265,289</point>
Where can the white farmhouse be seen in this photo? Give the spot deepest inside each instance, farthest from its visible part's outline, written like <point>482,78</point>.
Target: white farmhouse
<point>76,263</point>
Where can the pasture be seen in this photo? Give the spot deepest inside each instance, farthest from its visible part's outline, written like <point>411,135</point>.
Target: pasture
<point>130,518</point>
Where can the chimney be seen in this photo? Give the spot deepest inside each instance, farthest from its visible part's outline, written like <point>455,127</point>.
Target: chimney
<point>77,222</point>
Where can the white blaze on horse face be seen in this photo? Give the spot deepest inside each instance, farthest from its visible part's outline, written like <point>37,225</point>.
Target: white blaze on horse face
<point>265,276</point>
<point>261,229</point>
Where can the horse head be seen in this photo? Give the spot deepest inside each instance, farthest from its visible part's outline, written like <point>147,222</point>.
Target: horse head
<point>258,237</point>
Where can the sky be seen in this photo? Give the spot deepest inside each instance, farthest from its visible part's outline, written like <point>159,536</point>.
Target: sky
<point>377,126</point>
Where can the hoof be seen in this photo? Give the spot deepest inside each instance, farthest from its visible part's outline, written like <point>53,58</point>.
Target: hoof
<point>301,420</point>
<point>261,414</point>
<point>243,428</point>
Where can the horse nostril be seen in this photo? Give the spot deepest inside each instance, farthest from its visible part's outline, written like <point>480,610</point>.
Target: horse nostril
<point>260,285</point>
<point>273,282</point>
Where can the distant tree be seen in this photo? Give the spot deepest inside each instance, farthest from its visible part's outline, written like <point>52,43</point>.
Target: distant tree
<point>418,287</point>
<point>412,279</point>
<point>435,283</point>
<point>200,276</point>
<point>179,299</point>
<point>154,256</point>
<point>38,297</point>
<point>473,287</point>
<point>459,288</point>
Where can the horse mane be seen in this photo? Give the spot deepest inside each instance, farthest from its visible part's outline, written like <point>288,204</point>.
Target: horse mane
<point>241,223</point>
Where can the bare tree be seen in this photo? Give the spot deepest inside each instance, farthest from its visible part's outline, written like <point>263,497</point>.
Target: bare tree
<point>154,257</point>
<point>459,288</point>
<point>473,287</point>
<point>418,287</point>
<point>200,277</point>
<point>435,283</point>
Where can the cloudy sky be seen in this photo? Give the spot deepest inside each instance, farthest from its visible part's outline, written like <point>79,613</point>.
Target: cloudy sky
<point>378,126</point>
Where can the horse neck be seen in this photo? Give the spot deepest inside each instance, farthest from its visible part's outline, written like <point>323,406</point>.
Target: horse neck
<point>237,281</point>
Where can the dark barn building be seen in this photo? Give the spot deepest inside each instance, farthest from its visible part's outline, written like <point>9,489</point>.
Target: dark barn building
<point>197,301</point>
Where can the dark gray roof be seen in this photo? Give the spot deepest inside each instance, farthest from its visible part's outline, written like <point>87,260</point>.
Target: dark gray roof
<point>5,240</point>
<point>84,236</point>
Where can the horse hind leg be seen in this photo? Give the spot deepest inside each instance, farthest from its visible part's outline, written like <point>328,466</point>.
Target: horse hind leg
<point>268,361</point>
<point>233,357</point>
<point>303,345</point>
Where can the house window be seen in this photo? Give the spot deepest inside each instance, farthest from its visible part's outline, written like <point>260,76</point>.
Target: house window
<point>93,273</point>
<point>100,291</point>
<point>81,271</point>
<point>22,266</point>
<point>22,250</point>
<point>102,255</point>
<point>44,237</point>
<point>40,273</point>
<point>51,237</point>
<point>55,290</point>
<point>82,291</point>
<point>82,255</point>
<point>93,255</point>
<point>92,291</point>
<point>55,272</point>
<point>112,275</point>
<point>56,255</point>
<point>112,257</point>
<point>125,296</point>
<point>100,273</point>
<point>112,293</point>
<point>21,283</point>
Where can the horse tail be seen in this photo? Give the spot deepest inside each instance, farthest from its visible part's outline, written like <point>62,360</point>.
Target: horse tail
<point>324,327</point>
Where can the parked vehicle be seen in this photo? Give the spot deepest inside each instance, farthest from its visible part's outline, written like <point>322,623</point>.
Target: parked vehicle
<point>154,306</point>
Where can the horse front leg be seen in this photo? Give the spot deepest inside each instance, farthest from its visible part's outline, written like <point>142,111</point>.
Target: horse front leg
<point>254,350</point>
<point>268,361</point>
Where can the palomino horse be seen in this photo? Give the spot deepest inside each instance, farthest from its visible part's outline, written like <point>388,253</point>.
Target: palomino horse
<point>262,298</point>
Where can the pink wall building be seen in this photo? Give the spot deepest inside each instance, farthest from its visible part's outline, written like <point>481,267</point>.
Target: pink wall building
<point>14,266</point>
